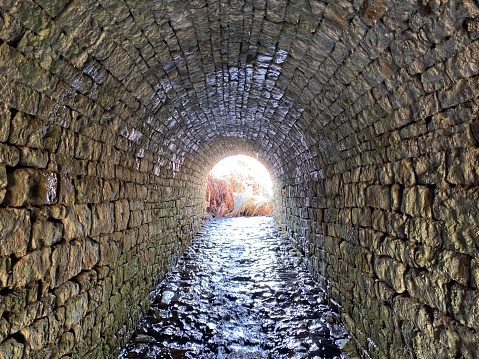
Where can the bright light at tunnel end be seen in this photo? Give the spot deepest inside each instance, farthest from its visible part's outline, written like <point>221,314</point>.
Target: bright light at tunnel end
<point>244,164</point>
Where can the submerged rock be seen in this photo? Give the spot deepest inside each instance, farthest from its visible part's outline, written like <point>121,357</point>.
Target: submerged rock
<point>240,291</point>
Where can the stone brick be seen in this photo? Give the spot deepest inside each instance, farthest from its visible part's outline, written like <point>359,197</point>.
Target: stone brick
<point>384,292</point>
<point>398,249</point>
<point>11,29</point>
<point>77,223</point>
<point>26,130</point>
<point>76,308</point>
<point>464,64</point>
<point>122,215</point>
<point>353,195</point>
<point>45,233</point>
<point>36,335</point>
<point>20,97</point>
<point>88,189</point>
<point>378,197</point>
<point>418,201</point>
<point>431,169</point>
<point>459,238</point>
<point>462,168</point>
<point>16,301</point>
<point>5,118</point>
<point>428,288</point>
<point>66,191</point>
<point>21,69</point>
<point>31,187</point>
<point>5,271</point>
<point>463,340</point>
<point>11,349</point>
<point>32,267</point>
<point>33,158</point>
<point>465,306</point>
<point>435,78</point>
<point>4,328</point>
<point>109,251</point>
<point>15,229</point>
<point>456,266</point>
<point>25,317</point>
<point>475,273</point>
<point>9,155</point>
<point>66,291</point>
<point>364,110</point>
<point>65,345</point>
<point>103,219</point>
<point>130,269</point>
<point>391,272</point>
<point>53,8</point>
<point>67,262</point>
<point>88,279</point>
<point>135,219</point>
<point>462,91</point>
<point>408,49</point>
<point>87,148</point>
<point>91,254</point>
<point>456,206</point>
<point>3,182</point>
<point>404,172</point>
<point>111,189</point>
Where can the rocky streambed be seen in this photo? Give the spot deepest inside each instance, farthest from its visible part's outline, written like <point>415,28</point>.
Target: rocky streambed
<point>240,291</point>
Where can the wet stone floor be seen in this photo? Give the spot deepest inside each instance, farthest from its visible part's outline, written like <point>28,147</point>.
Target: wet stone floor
<point>240,291</point>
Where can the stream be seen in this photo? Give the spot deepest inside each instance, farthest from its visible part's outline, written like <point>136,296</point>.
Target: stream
<point>240,291</point>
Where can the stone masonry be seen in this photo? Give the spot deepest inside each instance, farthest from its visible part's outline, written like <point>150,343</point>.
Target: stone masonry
<point>112,112</point>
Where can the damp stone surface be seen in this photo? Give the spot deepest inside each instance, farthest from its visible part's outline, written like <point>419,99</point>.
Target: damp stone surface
<point>112,113</point>
<point>240,291</point>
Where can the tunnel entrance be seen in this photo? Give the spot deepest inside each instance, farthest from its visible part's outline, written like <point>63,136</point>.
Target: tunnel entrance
<point>239,186</point>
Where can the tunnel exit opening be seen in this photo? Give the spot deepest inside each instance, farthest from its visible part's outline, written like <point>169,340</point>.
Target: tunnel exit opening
<point>239,186</point>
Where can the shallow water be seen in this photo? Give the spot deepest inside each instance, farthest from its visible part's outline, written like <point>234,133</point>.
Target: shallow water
<point>240,291</point>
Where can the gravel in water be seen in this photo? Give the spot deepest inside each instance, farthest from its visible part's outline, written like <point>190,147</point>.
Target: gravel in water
<point>240,291</point>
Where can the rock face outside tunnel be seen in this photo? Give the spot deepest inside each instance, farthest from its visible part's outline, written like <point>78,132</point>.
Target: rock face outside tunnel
<point>113,112</point>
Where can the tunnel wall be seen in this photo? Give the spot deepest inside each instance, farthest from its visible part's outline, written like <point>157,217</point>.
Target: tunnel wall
<point>388,222</point>
<point>395,243</point>
<point>91,218</point>
<point>85,234</point>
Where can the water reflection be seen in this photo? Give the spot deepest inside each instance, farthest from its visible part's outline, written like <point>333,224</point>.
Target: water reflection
<point>239,292</point>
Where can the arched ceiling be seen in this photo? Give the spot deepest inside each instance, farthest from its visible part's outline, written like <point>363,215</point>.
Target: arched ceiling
<point>214,72</point>
<point>304,81</point>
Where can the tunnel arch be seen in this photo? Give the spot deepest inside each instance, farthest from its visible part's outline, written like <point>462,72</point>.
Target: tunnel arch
<point>365,111</point>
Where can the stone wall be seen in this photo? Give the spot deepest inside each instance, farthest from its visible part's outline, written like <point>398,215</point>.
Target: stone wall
<point>112,112</point>
<point>91,217</point>
<point>390,222</point>
<point>85,234</point>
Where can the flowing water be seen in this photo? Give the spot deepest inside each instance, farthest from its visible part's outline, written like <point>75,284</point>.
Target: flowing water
<point>240,291</point>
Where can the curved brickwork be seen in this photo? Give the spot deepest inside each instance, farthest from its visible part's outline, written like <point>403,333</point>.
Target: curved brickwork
<point>113,111</point>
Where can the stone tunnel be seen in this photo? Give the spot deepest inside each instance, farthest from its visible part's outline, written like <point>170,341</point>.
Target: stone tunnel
<point>112,113</point>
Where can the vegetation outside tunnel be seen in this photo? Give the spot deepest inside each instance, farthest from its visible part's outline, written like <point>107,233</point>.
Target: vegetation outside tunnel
<point>239,186</point>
